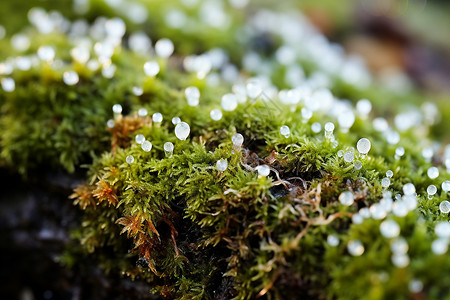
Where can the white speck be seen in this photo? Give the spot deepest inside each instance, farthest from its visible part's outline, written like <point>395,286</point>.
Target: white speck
<point>409,189</point>
<point>316,127</point>
<point>229,102</point>
<point>117,108</point>
<point>222,165</point>
<point>385,182</point>
<point>164,48</point>
<point>439,246</point>
<point>263,170</point>
<point>192,94</point>
<point>349,156</point>
<point>151,68</point>
<point>399,246</point>
<point>140,138</point>
<point>355,248</point>
<point>389,229</point>
<point>142,112</point>
<point>237,140</point>
<point>415,286</point>
<point>389,173</point>
<point>8,84</point>
<point>216,114</point>
<point>431,190</point>
<point>70,78</point>
<point>346,198</point>
<point>157,117</point>
<point>182,130</point>
<point>110,123</point>
<point>176,120</point>
<point>146,146</point>
<point>400,260</point>
<point>137,91</point>
<point>130,159</point>
<point>444,207</point>
<point>46,53</point>
<point>285,131</point>
<point>442,230</point>
<point>363,146</point>
<point>332,240</point>
<point>399,152</point>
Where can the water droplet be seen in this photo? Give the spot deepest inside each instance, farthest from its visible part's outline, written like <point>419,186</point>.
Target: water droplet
<point>164,48</point>
<point>409,189</point>
<point>253,89</point>
<point>146,146</point>
<point>117,108</point>
<point>182,130</point>
<point>108,70</point>
<point>363,107</point>
<point>332,240</point>
<point>176,120</point>
<point>358,165</point>
<point>316,127</point>
<point>357,219</point>
<point>8,84</point>
<point>399,246</point>
<point>400,209</point>
<point>222,165</point>
<point>400,260</point>
<point>377,211</point>
<point>329,126</point>
<point>192,94</point>
<point>346,120</point>
<point>389,174</point>
<point>140,138</point>
<point>399,152</point>
<point>285,131</point>
<point>229,102</point>
<point>46,53</point>
<point>439,246</point>
<point>346,198</point>
<point>142,112</point>
<point>307,114</point>
<point>80,54</point>
<point>349,156</point>
<point>130,159</point>
<point>444,207</point>
<point>340,153</point>
<point>385,182</point>
<point>415,286</point>
<point>355,248</point>
<point>237,140</point>
<point>431,190</point>
<point>151,68</point>
<point>442,230</point>
<point>216,114</point>
<point>446,186</point>
<point>137,91</point>
<point>70,78</point>
<point>389,229</point>
<point>263,170</point>
<point>157,117</point>
<point>363,146</point>
<point>168,149</point>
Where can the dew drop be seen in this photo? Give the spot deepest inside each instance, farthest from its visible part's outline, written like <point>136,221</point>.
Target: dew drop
<point>433,172</point>
<point>389,229</point>
<point>229,102</point>
<point>8,84</point>
<point>439,246</point>
<point>363,146</point>
<point>157,117</point>
<point>237,140</point>
<point>164,48</point>
<point>446,186</point>
<point>130,159</point>
<point>70,78</point>
<point>358,165</point>
<point>349,156</point>
<point>140,138</point>
<point>176,120</point>
<point>216,114</point>
<point>316,127</point>
<point>444,207</point>
<point>142,112</point>
<point>409,189</point>
<point>355,248</point>
<point>168,148</point>
<point>263,170</point>
<point>442,230</point>
<point>222,165</point>
<point>400,260</point>
<point>385,182</point>
<point>389,174</point>
<point>117,108</point>
<point>137,91</point>
<point>399,246</point>
<point>332,240</point>
<point>346,198</point>
<point>46,53</point>
<point>182,130</point>
<point>146,146</point>
<point>192,94</point>
<point>431,190</point>
<point>151,68</point>
<point>285,131</point>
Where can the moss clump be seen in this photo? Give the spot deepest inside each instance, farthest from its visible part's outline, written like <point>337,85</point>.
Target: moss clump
<point>192,231</point>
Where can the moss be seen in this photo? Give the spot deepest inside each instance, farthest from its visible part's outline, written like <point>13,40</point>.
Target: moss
<point>193,232</point>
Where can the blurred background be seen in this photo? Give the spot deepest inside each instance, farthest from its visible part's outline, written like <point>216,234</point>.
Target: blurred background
<point>405,45</point>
